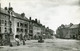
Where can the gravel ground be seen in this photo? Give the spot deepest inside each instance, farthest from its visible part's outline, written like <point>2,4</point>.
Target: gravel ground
<point>48,45</point>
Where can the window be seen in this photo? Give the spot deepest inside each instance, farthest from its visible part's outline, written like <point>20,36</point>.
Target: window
<point>18,24</point>
<point>17,29</point>
<point>30,26</point>
<point>25,30</point>
<point>0,29</point>
<point>5,16</point>
<point>2,21</point>
<point>5,29</point>
<point>21,24</point>
<point>30,31</point>
<point>5,22</point>
<point>26,25</point>
<point>21,30</point>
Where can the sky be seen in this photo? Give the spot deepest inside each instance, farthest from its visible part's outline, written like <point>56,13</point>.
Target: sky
<point>51,13</point>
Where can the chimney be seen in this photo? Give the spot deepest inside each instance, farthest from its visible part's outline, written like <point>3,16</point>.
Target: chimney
<point>36,20</point>
<point>9,4</point>
<point>71,24</point>
<point>22,14</point>
<point>62,26</point>
<point>79,24</point>
<point>29,18</point>
<point>10,8</point>
<point>47,27</point>
<point>44,26</point>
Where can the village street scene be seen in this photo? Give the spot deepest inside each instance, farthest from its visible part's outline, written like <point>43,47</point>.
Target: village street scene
<point>40,25</point>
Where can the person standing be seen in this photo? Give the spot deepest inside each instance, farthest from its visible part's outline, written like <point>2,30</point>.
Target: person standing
<point>24,40</point>
<point>17,40</point>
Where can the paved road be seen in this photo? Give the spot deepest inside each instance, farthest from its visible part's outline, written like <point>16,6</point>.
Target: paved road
<point>48,45</point>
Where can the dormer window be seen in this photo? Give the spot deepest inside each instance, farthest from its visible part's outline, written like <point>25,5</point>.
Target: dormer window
<point>62,26</point>
<point>5,8</point>
<point>10,9</point>
<point>22,14</point>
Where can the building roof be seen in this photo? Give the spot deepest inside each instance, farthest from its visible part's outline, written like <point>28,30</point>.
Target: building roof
<point>67,26</point>
<point>74,26</point>
<point>3,11</point>
<point>64,26</point>
<point>16,15</point>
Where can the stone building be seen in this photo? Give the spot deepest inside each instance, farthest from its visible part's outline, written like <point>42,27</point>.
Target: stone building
<point>20,25</point>
<point>14,24</point>
<point>6,27</point>
<point>43,31</point>
<point>74,31</point>
<point>36,29</point>
<point>70,31</point>
<point>62,31</point>
<point>48,33</point>
<point>30,29</point>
